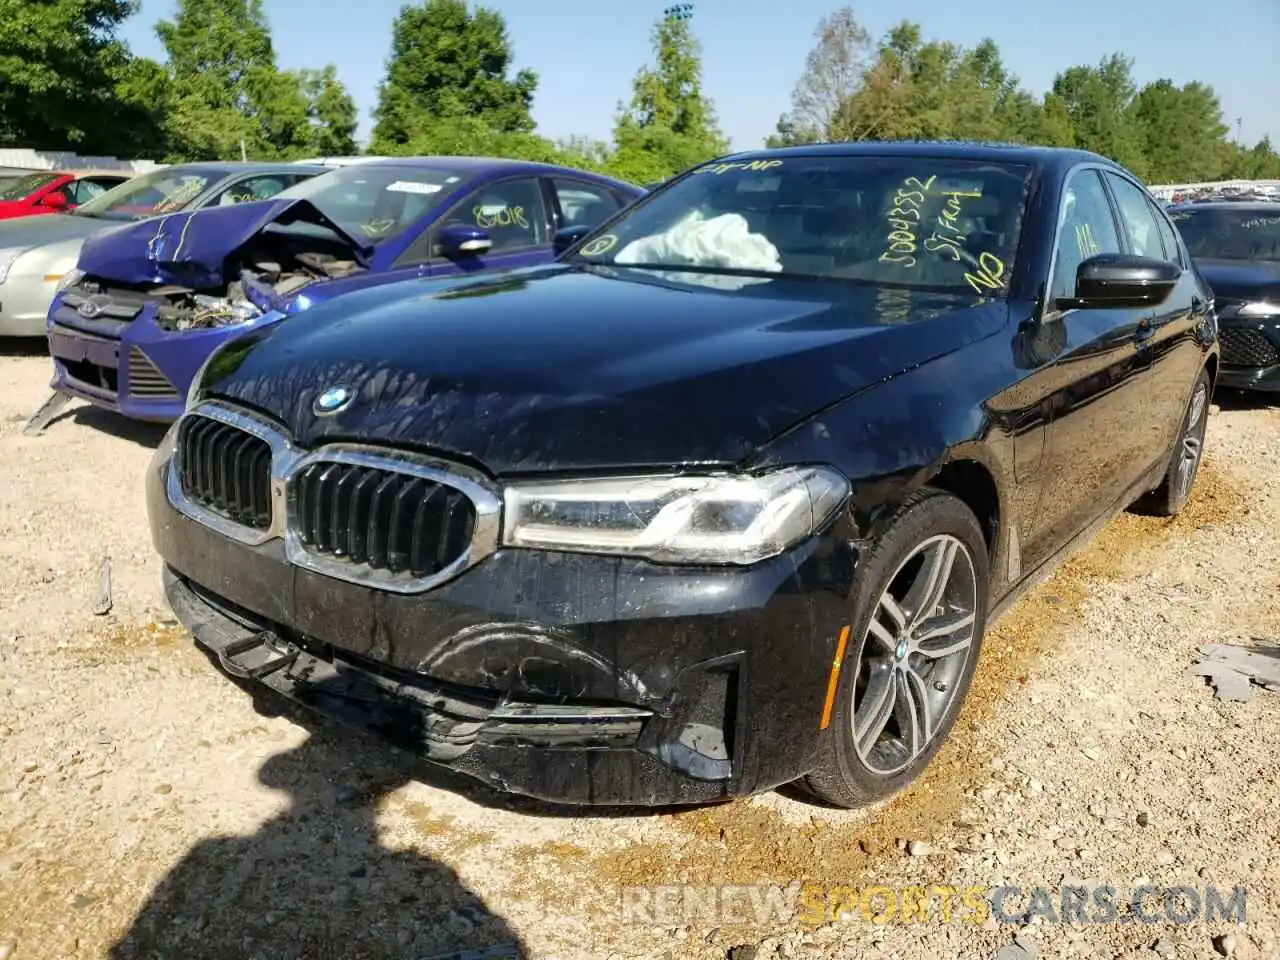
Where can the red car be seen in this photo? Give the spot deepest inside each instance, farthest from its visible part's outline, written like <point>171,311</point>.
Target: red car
<point>55,191</point>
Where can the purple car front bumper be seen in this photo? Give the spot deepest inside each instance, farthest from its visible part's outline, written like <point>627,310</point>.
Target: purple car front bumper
<point>129,365</point>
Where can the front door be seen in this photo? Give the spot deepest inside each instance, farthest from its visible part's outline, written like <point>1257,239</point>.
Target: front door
<point>1176,353</point>
<point>515,215</point>
<point>1096,385</point>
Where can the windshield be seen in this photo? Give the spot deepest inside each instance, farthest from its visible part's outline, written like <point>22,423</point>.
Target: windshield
<point>909,222</point>
<point>376,203</point>
<point>161,191</point>
<point>23,187</point>
<point>1227,234</point>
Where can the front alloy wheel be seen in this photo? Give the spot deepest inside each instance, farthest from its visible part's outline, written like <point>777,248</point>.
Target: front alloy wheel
<point>915,651</point>
<point>918,618</point>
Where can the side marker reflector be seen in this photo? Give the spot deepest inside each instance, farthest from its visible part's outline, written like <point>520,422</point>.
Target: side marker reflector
<point>833,681</point>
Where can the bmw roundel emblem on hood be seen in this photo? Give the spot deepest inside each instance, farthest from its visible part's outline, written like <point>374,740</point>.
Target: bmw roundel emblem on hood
<point>332,400</point>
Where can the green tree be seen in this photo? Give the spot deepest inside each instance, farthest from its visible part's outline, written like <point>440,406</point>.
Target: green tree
<point>1182,131</point>
<point>1099,100</point>
<point>60,65</point>
<point>229,99</point>
<point>669,124</point>
<point>1259,162</point>
<point>833,72</point>
<point>220,58</point>
<point>331,111</point>
<point>447,62</point>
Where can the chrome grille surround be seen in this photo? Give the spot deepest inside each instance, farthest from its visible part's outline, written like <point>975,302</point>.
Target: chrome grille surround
<point>287,460</point>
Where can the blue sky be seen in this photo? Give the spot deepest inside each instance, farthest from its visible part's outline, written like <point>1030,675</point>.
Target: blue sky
<point>585,53</point>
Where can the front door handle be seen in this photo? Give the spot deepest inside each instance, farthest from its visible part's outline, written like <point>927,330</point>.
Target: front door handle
<point>1145,329</point>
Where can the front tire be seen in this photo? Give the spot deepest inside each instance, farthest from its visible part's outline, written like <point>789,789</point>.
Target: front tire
<point>919,613</point>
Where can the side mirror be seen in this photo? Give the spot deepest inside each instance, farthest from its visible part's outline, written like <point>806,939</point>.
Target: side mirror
<point>461,240</point>
<point>55,201</point>
<point>1122,280</point>
<point>566,237</point>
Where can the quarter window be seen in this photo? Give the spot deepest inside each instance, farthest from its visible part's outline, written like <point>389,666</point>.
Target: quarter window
<point>1135,216</point>
<point>1088,229</point>
<point>1171,251</point>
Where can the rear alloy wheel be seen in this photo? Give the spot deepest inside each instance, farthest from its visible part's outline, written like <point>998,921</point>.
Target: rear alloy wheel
<point>919,615</point>
<point>1168,499</point>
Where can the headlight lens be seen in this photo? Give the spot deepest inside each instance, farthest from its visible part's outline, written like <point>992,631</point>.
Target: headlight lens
<point>7,257</point>
<point>1259,310</point>
<point>676,519</point>
<point>69,280</point>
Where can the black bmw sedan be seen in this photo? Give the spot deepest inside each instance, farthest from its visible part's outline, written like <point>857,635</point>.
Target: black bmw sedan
<point>1236,246</point>
<point>723,499</point>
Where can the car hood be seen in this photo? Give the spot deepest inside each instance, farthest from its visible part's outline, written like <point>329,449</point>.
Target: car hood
<point>36,231</point>
<point>564,367</point>
<point>1242,279</point>
<point>190,248</point>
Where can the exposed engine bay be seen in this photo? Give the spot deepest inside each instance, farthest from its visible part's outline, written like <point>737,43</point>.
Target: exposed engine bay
<point>260,275</point>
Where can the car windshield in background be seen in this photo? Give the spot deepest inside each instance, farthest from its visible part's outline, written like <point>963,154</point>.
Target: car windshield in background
<point>911,222</point>
<point>1230,234</point>
<point>161,191</point>
<point>376,203</point>
<point>25,186</point>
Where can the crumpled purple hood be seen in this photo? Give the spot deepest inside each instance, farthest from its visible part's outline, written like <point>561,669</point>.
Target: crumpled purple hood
<point>189,249</point>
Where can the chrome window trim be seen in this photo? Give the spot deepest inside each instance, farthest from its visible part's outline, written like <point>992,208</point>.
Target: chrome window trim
<point>287,460</point>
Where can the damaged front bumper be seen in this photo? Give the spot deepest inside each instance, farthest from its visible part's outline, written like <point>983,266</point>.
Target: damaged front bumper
<point>122,360</point>
<point>570,678</point>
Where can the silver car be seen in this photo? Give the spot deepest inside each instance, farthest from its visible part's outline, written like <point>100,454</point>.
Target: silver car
<point>37,252</point>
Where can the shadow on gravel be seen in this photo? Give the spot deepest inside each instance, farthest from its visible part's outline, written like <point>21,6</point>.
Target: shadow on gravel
<point>1229,399</point>
<point>144,434</point>
<point>24,347</point>
<point>315,881</point>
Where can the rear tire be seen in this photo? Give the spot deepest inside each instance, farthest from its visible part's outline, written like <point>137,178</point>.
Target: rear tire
<point>900,690</point>
<point>1168,499</point>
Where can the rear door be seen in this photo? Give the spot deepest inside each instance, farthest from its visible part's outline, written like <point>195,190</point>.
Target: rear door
<point>1091,369</point>
<point>1176,355</point>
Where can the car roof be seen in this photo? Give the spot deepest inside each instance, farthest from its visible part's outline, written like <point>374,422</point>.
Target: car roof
<point>231,167</point>
<point>1248,206</point>
<point>479,165</point>
<point>94,172</point>
<point>980,150</point>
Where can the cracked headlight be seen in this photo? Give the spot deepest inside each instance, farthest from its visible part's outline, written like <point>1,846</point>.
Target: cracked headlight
<point>675,519</point>
<point>1259,310</point>
<point>69,280</point>
<point>7,257</point>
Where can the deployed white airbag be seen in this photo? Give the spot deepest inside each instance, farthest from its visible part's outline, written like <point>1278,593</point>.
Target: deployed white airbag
<point>723,241</point>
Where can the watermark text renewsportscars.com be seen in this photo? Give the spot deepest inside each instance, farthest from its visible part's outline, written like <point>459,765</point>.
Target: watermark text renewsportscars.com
<point>815,904</point>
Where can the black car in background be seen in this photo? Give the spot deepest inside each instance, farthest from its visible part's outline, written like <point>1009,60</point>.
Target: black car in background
<point>723,499</point>
<point>1236,246</point>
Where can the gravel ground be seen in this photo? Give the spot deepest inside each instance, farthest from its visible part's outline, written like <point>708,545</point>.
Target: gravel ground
<point>148,807</point>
